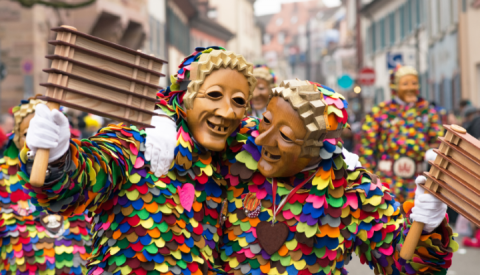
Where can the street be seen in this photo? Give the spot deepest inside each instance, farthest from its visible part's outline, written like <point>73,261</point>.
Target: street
<point>466,261</point>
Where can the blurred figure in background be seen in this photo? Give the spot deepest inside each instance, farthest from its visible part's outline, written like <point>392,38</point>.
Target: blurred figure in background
<point>265,82</point>
<point>398,135</point>
<point>6,126</point>
<point>471,121</point>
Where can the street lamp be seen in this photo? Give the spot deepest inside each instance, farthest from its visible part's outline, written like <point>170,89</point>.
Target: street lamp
<point>357,89</point>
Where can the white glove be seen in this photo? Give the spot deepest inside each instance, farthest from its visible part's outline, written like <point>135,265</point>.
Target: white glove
<point>351,159</point>
<point>49,129</point>
<point>430,155</point>
<point>160,144</point>
<point>428,209</point>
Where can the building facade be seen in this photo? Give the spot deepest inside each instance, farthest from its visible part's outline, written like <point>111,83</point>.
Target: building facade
<point>394,32</point>
<point>469,55</point>
<point>238,17</point>
<point>25,32</point>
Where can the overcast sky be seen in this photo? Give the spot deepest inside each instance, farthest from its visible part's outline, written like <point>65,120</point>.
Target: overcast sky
<point>263,7</point>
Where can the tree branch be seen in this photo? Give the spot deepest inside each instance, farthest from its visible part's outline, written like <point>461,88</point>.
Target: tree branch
<point>56,4</point>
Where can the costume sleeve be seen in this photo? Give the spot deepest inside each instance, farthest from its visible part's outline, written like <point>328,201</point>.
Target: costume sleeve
<point>370,135</point>
<point>89,173</point>
<point>436,129</point>
<point>381,230</point>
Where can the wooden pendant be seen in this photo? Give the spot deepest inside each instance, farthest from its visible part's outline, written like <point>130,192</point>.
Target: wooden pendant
<point>272,236</point>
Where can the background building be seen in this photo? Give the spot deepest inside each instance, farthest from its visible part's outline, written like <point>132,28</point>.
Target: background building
<point>469,54</point>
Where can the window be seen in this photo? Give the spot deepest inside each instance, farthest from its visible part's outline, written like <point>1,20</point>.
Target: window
<point>419,12</point>
<point>266,39</point>
<point>212,13</point>
<point>382,33</point>
<point>279,21</point>
<point>402,22</point>
<point>178,32</point>
<point>374,40</point>
<point>464,5</point>
<point>368,48</point>
<point>391,24</point>
<point>281,38</point>
<point>408,17</point>
<point>379,95</point>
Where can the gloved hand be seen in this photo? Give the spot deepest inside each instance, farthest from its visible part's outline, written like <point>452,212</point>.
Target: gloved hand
<point>160,144</point>
<point>351,159</point>
<point>428,209</point>
<point>49,129</point>
<point>430,155</point>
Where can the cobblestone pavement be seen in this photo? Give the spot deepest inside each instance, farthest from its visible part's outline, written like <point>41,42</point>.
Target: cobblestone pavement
<point>466,261</point>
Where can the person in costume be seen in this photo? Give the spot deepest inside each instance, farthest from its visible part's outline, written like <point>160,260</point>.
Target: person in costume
<point>321,205</point>
<point>265,82</point>
<point>32,240</point>
<point>399,135</point>
<point>147,220</point>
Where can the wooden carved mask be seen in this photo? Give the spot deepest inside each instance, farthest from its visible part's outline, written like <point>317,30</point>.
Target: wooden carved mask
<point>218,108</point>
<point>261,94</point>
<point>282,134</point>
<point>407,89</point>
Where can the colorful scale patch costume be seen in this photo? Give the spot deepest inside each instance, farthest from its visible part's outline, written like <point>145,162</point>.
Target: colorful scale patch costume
<point>335,214</point>
<point>33,242</point>
<point>140,224</point>
<point>394,141</point>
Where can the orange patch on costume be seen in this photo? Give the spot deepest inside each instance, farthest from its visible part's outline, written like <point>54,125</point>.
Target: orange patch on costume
<point>152,207</point>
<point>283,251</point>
<point>356,213</point>
<point>154,233</point>
<point>332,120</point>
<point>265,268</point>
<point>181,223</point>
<point>327,230</point>
<point>407,206</point>
<point>197,206</point>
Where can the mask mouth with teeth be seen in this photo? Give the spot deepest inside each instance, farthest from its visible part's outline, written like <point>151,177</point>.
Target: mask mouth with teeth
<point>290,134</point>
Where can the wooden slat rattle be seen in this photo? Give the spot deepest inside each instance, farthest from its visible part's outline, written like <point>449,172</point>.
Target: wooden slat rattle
<point>454,178</point>
<point>101,78</point>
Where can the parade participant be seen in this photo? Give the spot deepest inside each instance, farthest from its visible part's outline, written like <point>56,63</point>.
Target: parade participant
<point>33,241</point>
<point>320,206</point>
<point>265,82</point>
<point>400,134</point>
<point>146,222</point>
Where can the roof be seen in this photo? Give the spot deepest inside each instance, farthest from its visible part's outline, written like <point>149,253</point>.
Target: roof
<point>368,7</point>
<point>211,27</point>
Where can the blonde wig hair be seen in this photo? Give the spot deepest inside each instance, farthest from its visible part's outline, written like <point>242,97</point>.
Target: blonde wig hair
<point>212,61</point>
<point>308,102</point>
<point>401,72</point>
<point>20,112</point>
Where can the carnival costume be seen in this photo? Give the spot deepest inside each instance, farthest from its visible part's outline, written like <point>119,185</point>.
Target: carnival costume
<point>32,240</point>
<point>322,223</point>
<point>395,137</point>
<point>144,224</point>
<point>265,73</point>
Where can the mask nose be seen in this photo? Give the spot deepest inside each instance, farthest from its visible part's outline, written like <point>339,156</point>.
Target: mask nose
<point>267,138</point>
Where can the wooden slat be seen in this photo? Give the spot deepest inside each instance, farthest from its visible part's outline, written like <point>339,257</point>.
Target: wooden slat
<point>453,199</point>
<point>91,106</point>
<point>107,43</point>
<point>460,155</point>
<point>95,97</point>
<point>99,56</point>
<point>101,71</point>
<point>465,141</point>
<point>99,84</point>
<point>471,180</point>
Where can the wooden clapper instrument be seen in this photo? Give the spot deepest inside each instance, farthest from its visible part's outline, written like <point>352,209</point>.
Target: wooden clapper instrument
<point>98,77</point>
<point>454,178</point>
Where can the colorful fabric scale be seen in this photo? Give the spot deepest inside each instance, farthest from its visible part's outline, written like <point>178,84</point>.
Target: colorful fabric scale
<point>33,242</point>
<point>142,224</point>
<point>336,214</point>
<point>392,131</point>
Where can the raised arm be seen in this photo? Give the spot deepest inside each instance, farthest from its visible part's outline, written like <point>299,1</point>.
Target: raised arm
<point>382,225</point>
<point>85,173</point>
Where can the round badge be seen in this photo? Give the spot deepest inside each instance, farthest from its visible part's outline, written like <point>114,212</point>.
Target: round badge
<point>404,167</point>
<point>251,205</point>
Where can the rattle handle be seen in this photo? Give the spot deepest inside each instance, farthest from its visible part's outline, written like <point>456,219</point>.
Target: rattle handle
<point>40,163</point>
<point>411,241</point>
